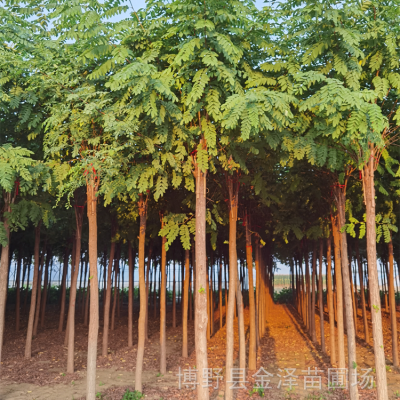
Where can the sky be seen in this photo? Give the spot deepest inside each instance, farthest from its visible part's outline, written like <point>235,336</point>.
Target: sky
<point>141,4</point>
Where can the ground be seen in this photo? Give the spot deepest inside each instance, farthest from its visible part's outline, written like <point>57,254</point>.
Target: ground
<point>284,345</point>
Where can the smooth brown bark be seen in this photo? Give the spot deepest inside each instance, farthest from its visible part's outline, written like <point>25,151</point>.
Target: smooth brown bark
<point>142,205</point>
<point>116,290</point>
<point>376,314</point>
<point>39,294</point>
<point>45,287</point>
<point>339,291</point>
<point>92,187</point>
<point>107,303</point>
<point>18,292</point>
<point>72,293</point>
<point>313,282</point>
<point>362,294</point>
<point>200,281</point>
<point>392,303</point>
<point>173,300</point>
<point>130,296</point>
<point>185,306</point>
<point>29,334</point>
<point>351,336</point>
<point>233,188</point>
<point>249,260</point>
<point>163,312</point>
<point>63,291</point>
<point>330,301</point>
<point>320,296</point>
<point>4,268</point>
<point>221,321</point>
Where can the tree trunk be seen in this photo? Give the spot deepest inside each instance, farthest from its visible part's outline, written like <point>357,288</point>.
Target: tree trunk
<point>313,281</point>
<point>28,345</point>
<point>173,299</point>
<point>142,205</point>
<point>200,327</point>
<point>185,306</point>
<point>242,336</point>
<point>221,321</point>
<point>362,293</point>
<point>39,294</point>
<point>147,288</point>
<point>249,259</point>
<point>115,300</point>
<point>351,337</point>
<point>63,291</point>
<point>18,292</point>
<point>392,303</point>
<point>107,302</point>
<point>92,187</point>
<point>163,339</point>
<point>339,291</point>
<point>45,287</point>
<point>72,293</point>
<point>308,294</point>
<point>376,315</point>
<point>321,298</point>
<point>233,209</point>
<point>4,268</point>
<point>130,296</point>
<point>330,301</point>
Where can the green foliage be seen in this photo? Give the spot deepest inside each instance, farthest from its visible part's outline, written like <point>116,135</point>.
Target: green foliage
<point>135,395</point>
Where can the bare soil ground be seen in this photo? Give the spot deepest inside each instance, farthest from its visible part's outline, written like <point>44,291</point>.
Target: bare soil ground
<point>284,346</point>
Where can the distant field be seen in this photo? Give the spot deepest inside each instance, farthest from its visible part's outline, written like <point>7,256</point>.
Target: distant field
<point>285,280</point>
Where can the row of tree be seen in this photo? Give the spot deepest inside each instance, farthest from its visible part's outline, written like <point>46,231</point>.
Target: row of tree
<point>185,118</point>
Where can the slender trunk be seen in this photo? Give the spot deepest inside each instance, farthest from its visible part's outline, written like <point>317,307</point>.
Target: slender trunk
<point>221,321</point>
<point>130,296</point>
<point>45,284</point>
<point>39,294</point>
<point>242,336</point>
<point>233,209</point>
<point>28,345</point>
<point>4,268</point>
<point>376,315</point>
<point>313,282</point>
<point>353,297</point>
<point>339,291</point>
<point>142,205</point>
<point>107,303</point>
<point>72,292</point>
<point>63,291</point>
<point>86,317</point>
<point>185,306</point>
<point>116,273</point>
<point>18,292</point>
<point>321,299</point>
<point>351,338</point>
<point>201,319</point>
<point>92,187</point>
<point>308,294</point>
<point>147,288</point>
<point>27,284</point>
<point>190,295</point>
<point>330,301</point>
<point>362,294</point>
<point>249,259</point>
<point>173,299</point>
<point>392,303</point>
<point>163,341</point>
<point>86,297</point>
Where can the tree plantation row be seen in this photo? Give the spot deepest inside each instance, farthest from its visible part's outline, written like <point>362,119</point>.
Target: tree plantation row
<point>214,137</point>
